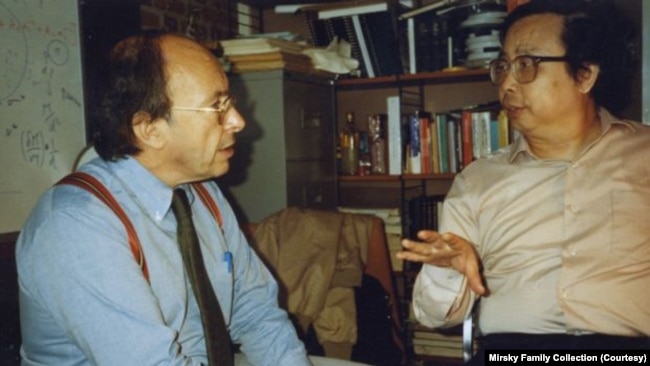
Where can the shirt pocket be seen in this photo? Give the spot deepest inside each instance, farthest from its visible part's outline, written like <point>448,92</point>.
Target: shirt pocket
<point>630,226</point>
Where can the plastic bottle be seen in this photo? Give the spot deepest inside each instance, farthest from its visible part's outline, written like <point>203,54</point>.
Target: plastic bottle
<point>378,145</point>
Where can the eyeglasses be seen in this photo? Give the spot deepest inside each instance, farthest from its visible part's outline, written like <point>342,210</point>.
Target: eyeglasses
<point>221,107</point>
<point>525,67</point>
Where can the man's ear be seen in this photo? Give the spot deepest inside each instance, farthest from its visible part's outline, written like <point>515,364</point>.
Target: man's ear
<point>148,132</point>
<point>587,76</point>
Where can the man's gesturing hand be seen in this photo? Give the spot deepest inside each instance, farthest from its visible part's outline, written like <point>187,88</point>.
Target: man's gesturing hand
<point>446,250</point>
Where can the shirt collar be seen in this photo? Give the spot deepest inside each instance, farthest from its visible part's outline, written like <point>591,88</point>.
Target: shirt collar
<point>146,189</point>
<point>607,120</point>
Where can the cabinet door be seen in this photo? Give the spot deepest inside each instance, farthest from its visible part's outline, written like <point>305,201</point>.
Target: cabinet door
<point>311,184</point>
<point>308,116</point>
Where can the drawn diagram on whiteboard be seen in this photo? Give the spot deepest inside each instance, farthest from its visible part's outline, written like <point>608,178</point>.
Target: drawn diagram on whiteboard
<point>14,50</point>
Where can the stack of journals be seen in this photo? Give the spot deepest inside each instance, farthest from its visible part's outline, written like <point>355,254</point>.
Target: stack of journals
<point>247,46</point>
<point>256,54</point>
<point>438,344</point>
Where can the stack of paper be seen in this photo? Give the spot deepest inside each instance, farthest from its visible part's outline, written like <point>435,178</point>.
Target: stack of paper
<point>252,54</point>
<point>270,61</point>
<point>247,46</point>
<point>444,344</point>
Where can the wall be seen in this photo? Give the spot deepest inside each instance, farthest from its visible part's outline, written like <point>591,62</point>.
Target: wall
<point>205,20</point>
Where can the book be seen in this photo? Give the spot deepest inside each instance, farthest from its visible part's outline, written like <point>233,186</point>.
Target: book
<point>441,123</point>
<point>429,350</point>
<point>439,343</point>
<point>393,108</point>
<point>477,135</point>
<point>481,124</point>
<point>246,46</point>
<point>425,142</point>
<point>466,132</point>
<point>435,335</point>
<point>415,146</point>
<point>452,144</point>
<point>435,155</point>
<point>422,214</point>
<point>271,61</point>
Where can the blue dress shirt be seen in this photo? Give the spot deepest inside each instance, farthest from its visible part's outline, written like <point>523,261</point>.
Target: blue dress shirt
<point>85,301</point>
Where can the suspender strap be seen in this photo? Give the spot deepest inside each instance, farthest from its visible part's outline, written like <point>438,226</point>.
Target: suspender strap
<point>208,201</point>
<point>92,185</point>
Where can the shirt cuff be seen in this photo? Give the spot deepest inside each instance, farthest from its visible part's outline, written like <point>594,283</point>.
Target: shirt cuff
<point>436,292</point>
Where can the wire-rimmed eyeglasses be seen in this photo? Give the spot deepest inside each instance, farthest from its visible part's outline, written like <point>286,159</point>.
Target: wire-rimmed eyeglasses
<point>525,68</point>
<point>221,107</point>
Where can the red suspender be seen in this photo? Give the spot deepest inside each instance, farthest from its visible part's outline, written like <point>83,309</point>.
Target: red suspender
<point>94,186</point>
<point>209,202</point>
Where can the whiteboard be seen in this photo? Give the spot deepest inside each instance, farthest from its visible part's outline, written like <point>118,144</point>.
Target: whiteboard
<point>42,128</point>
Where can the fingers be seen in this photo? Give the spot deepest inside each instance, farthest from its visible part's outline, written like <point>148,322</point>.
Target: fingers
<point>475,280</point>
<point>432,250</point>
<point>446,250</point>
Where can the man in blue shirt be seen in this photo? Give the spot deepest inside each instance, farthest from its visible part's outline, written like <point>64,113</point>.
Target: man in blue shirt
<point>165,121</point>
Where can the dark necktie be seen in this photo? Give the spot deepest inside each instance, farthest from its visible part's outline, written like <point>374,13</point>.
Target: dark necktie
<point>217,339</point>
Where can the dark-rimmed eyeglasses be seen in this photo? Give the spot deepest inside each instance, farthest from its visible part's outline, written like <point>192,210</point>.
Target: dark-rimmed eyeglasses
<point>525,68</point>
<point>221,107</point>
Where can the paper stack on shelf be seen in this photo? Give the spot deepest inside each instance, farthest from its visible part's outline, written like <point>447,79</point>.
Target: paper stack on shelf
<point>447,343</point>
<point>270,61</point>
<point>266,53</point>
<point>247,46</point>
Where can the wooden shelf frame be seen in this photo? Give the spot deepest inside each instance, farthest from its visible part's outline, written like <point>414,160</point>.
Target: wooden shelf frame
<point>406,80</point>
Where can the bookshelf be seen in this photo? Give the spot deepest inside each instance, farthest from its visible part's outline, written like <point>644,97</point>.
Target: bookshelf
<point>436,91</point>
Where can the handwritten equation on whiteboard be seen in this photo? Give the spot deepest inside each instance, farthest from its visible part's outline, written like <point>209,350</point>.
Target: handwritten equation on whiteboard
<point>42,126</point>
<point>41,98</point>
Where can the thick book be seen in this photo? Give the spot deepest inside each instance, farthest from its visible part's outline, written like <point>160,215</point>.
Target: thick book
<point>395,152</point>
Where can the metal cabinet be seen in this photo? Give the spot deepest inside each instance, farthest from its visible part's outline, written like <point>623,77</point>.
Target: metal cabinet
<point>285,154</point>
